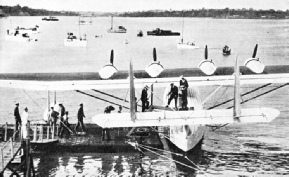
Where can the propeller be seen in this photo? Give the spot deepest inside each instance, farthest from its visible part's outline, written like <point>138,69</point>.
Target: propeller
<point>206,52</point>
<point>255,51</point>
<point>155,54</point>
<point>108,70</point>
<point>111,57</point>
<point>154,68</point>
<point>254,63</point>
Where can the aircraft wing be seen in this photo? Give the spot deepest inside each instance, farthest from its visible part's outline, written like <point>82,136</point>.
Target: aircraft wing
<point>88,81</point>
<point>173,118</point>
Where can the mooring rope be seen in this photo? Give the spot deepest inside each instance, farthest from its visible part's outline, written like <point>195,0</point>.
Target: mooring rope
<point>33,100</point>
<point>174,160</point>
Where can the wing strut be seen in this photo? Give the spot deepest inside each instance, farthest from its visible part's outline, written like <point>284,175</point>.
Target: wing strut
<point>132,93</point>
<point>237,110</point>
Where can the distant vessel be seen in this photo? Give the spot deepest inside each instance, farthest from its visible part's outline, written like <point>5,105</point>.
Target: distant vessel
<point>50,18</point>
<point>226,50</point>
<point>73,41</point>
<point>160,32</point>
<point>119,29</point>
<point>187,45</point>
<point>84,22</point>
<point>34,30</point>
<point>16,36</point>
<point>140,34</point>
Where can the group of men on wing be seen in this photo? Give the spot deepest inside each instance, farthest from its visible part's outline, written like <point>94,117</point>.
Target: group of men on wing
<point>174,93</point>
<point>62,115</point>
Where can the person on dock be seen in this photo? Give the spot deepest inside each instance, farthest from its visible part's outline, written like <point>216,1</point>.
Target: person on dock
<point>80,116</point>
<point>144,98</point>
<point>53,117</point>
<point>184,89</point>
<point>17,117</point>
<point>65,126</point>
<point>62,113</point>
<point>24,120</point>
<point>105,131</point>
<point>173,94</point>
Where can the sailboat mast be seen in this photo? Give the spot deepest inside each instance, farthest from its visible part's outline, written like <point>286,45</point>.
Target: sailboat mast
<point>182,40</point>
<point>111,22</point>
<point>237,106</point>
<point>79,26</point>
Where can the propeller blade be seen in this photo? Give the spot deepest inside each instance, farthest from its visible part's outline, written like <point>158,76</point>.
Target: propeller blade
<point>206,52</point>
<point>111,57</point>
<point>255,51</point>
<point>155,54</point>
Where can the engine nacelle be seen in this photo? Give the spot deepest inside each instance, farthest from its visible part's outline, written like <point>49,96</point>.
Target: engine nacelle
<point>255,65</point>
<point>208,67</point>
<point>107,71</point>
<point>154,69</point>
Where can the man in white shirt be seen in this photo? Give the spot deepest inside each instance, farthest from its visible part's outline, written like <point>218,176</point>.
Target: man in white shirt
<point>24,120</point>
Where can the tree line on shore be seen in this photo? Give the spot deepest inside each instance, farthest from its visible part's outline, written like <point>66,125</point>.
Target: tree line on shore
<point>26,11</point>
<point>213,13</point>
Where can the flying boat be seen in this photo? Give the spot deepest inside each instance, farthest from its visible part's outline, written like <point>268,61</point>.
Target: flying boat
<point>185,128</point>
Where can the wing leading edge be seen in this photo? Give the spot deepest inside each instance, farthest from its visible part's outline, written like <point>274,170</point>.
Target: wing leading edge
<point>87,81</point>
<point>173,118</point>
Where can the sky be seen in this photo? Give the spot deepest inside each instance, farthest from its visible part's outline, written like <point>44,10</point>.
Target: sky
<point>142,5</point>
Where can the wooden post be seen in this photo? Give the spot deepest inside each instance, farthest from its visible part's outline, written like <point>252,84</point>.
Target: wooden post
<point>152,95</point>
<point>6,129</point>
<point>41,133</point>
<point>35,133</point>
<point>14,132</point>
<point>21,138</point>
<point>48,132</point>
<point>12,150</point>
<point>28,130</point>
<point>53,129</point>
<point>27,159</point>
<point>2,158</point>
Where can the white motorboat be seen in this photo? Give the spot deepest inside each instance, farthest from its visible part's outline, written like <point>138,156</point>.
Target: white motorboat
<point>22,30</point>
<point>119,29</point>
<point>15,36</point>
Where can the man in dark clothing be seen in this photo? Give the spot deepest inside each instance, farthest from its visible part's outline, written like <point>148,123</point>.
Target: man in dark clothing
<point>62,113</point>
<point>80,116</point>
<point>144,99</point>
<point>17,117</point>
<point>173,94</point>
<point>184,89</point>
<point>53,117</point>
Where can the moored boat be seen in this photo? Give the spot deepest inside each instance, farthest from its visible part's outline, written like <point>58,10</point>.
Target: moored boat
<point>188,45</point>
<point>160,32</point>
<point>50,18</point>
<point>73,41</point>
<point>22,30</point>
<point>16,36</point>
<point>140,33</point>
<point>226,50</point>
<point>119,29</point>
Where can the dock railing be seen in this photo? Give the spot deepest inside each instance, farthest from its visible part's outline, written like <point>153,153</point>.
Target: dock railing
<point>42,133</point>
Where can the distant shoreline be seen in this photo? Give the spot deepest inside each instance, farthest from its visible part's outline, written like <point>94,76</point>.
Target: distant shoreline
<point>199,13</point>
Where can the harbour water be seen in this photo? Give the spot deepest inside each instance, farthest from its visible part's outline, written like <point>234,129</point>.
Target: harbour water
<point>249,150</point>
